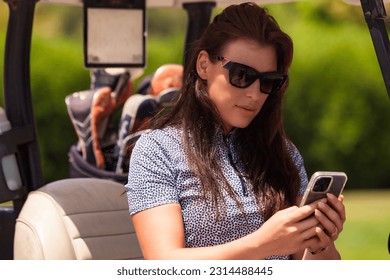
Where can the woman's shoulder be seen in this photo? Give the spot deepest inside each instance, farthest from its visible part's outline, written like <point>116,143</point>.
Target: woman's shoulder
<point>293,151</point>
<point>164,134</point>
<point>165,138</point>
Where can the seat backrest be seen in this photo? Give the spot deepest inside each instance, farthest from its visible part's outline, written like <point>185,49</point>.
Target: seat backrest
<point>77,218</point>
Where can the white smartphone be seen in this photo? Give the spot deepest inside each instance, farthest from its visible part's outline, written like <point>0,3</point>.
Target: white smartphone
<point>323,182</point>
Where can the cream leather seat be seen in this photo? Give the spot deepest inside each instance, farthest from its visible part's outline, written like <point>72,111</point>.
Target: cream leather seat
<point>79,219</point>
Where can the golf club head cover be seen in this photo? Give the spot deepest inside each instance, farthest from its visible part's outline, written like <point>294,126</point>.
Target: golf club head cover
<point>79,106</point>
<point>89,112</point>
<point>103,106</point>
<point>137,111</point>
<point>101,78</point>
<point>167,97</point>
<point>166,76</point>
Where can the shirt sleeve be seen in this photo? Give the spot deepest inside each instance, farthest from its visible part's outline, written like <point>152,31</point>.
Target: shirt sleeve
<point>298,160</point>
<point>151,175</point>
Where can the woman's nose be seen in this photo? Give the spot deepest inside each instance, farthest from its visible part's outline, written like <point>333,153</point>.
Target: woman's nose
<point>253,91</point>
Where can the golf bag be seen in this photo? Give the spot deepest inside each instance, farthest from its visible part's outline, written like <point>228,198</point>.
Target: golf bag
<point>105,136</point>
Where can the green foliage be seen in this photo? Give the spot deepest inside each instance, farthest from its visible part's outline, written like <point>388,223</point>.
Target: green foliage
<point>56,71</point>
<point>164,22</point>
<point>336,111</point>
<point>337,108</point>
<point>59,20</point>
<point>163,50</point>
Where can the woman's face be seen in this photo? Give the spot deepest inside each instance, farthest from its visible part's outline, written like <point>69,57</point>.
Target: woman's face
<point>237,106</point>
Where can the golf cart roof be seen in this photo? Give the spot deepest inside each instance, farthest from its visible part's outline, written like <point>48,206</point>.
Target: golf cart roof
<point>174,3</point>
<point>179,3</point>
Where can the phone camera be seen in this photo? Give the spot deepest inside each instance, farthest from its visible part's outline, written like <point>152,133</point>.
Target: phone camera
<point>322,184</point>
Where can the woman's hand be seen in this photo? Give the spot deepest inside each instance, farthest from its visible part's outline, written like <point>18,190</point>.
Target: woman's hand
<point>331,217</point>
<point>291,230</point>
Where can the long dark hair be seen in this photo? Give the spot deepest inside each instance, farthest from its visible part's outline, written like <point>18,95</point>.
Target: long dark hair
<point>263,144</point>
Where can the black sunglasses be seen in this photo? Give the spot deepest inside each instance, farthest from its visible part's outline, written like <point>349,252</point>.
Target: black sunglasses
<point>242,76</point>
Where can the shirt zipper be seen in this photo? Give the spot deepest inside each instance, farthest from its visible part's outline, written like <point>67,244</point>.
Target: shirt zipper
<point>236,171</point>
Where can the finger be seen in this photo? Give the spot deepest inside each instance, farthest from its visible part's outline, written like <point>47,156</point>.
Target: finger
<point>325,240</point>
<point>319,243</point>
<point>305,211</point>
<point>313,242</point>
<point>332,216</point>
<point>337,204</point>
<point>327,224</point>
<point>307,223</point>
<point>309,233</point>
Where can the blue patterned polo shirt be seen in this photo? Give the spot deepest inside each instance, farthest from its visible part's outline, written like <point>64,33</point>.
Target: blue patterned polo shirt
<point>159,174</point>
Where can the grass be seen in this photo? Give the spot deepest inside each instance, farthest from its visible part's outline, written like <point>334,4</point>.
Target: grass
<point>367,228</point>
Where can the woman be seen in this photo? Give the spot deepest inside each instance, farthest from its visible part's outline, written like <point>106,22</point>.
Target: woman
<point>218,178</point>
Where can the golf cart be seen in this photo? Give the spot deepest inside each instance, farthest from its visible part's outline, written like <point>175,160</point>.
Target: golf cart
<point>46,215</point>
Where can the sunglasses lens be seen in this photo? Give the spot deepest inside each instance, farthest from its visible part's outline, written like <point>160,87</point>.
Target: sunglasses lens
<point>241,76</point>
<point>271,82</point>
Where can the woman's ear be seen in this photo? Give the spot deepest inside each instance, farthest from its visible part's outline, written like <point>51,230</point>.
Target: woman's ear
<point>202,64</point>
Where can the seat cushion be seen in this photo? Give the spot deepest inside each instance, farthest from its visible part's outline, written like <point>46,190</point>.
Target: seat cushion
<point>78,218</point>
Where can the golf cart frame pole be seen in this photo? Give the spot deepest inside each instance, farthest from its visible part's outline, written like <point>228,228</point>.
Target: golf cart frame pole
<point>21,139</point>
<point>374,14</point>
<point>17,91</point>
<point>199,15</point>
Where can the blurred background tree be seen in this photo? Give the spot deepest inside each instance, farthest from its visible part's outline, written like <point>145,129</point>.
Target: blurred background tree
<point>337,110</point>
